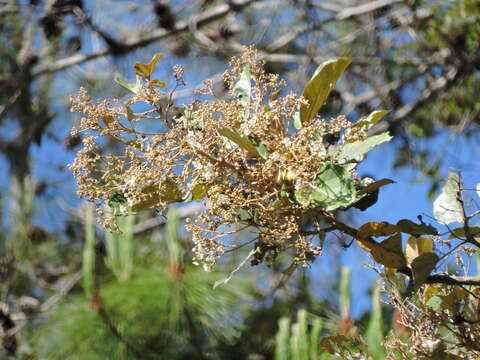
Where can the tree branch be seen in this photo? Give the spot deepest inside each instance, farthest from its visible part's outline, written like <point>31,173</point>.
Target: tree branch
<point>453,280</point>
<point>140,41</point>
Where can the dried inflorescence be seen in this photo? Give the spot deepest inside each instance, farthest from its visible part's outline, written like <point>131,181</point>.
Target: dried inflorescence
<point>241,155</point>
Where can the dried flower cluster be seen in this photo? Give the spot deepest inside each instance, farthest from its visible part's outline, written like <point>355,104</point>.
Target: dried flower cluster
<point>441,323</point>
<point>241,155</point>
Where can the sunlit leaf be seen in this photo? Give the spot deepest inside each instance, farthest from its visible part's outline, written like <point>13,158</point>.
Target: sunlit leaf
<point>142,70</point>
<point>156,83</point>
<point>250,143</point>
<point>297,123</point>
<point>421,267</point>
<point>319,87</point>
<point>447,208</point>
<point>355,151</point>
<point>153,63</point>
<point>365,124</point>
<point>417,246</point>
<point>460,232</point>
<point>334,187</point>
<point>200,191</point>
<point>146,70</point>
<point>166,192</point>
<point>259,146</point>
<point>377,229</point>
<point>409,227</point>
<point>134,88</point>
<point>385,254</point>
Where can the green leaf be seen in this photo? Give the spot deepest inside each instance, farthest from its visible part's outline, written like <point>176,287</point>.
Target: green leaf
<point>334,187</point>
<point>116,202</point>
<point>435,302</point>
<point>409,227</point>
<point>320,86</point>
<point>373,228</point>
<point>250,143</point>
<point>134,88</point>
<point>421,267</point>
<point>158,194</point>
<point>375,186</point>
<point>244,215</point>
<point>354,151</point>
<point>460,232</point>
<point>199,191</point>
<point>366,201</point>
<point>393,244</point>
<point>385,253</point>
<point>243,88</point>
<point>259,146</point>
<point>417,246</point>
<point>367,123</point>
<point>447,208</point>
<point>297,123</point>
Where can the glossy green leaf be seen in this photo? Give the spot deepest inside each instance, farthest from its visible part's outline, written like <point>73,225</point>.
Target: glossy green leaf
<point>354,152</point>
<point>421,267</point>
<point>320,86</point>
<point>334,187</point>
<point>447,208</point>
